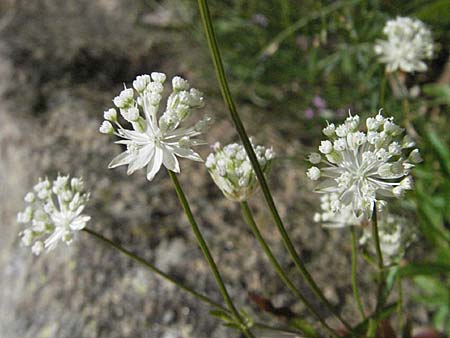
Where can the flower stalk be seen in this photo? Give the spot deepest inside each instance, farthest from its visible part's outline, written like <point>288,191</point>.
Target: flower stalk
<point>154,269</point>
<point>206,252</point>
<point>247,214</point>
<point>380,262</point>
<point>354,273</point>
<point>171,280</point>
<point>226,93</point>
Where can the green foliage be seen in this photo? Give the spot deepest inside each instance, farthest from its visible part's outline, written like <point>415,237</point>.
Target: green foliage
<point>280,54</point>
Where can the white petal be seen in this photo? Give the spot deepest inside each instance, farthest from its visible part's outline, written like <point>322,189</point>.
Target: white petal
<point>155,163</point>
<point>187,153</point>
<point>121,159</point>
<point>141,159</point>
<point>136,136</point>
<point>328,185</point>
<point>80,222</point>
<point>170,161</point>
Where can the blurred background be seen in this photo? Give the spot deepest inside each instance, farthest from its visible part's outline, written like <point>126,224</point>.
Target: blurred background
<point>292,65</point>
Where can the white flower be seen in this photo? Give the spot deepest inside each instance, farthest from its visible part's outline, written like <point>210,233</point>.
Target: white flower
<point>365,167</point>
<point>57,216</point>
<point>232,170</point>
<point>409,43</point>
<point>333,214</point>
<point>153,142</point>
<point>110,115</point>
<point>325,147</point>
<point>395,234</point>
<point>415,156</point>
<point>329,130</point>
<point>106,128</point>
<point>313,173</point>
<point>314,158</point>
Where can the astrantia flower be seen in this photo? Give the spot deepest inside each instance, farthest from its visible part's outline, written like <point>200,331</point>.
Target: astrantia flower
<point>409,43</point>
<point>54,213</point>
<point>232,170</point>
<point>334,215</point>
<point>395,236</point>
<point>362,168</point>
<point>154,141</point>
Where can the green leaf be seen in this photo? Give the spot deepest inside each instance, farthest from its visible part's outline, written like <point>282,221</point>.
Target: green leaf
<point>307,329</point>
<point>419,269</point>
<point>441,319</point>
<point>222,315</point>
<point>436,12</point>
<point>440,148</point>
<point>440,92</point>
<point>362,327</point>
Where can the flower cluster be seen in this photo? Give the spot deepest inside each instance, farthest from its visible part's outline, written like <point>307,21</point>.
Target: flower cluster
<point>335,215</point>
<point>54,213</point>
<point>409,43</point>
<point>395,237</point>
<point>232,170</point>
<point>154,141</point>
<point>361,168</point>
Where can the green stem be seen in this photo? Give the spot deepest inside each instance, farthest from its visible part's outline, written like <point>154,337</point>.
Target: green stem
<point>383,90</point>
<point>274,43</point>
<point>226,93</point>
<point>247,214</point>
<point>171,280</point>
<point>400,303</point>
<point>354,270</point>
<point>380,262</point>
<point>153,269</point>
<point>205,250</point>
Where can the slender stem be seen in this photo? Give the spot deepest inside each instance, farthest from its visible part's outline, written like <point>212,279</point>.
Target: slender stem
<point>226,93</point>
<point>206,252</point>
<point>383,90</point>
<point>325,11</point>
<point>354,271</point>
<point>247,214</point>
<point>171,280</point>
<point>154,269</point>
<point>380,262</point>
<point>400,303</point>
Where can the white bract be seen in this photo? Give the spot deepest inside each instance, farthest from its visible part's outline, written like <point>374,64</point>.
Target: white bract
<point>154,141</point>
<point>232,170</point>
<point>53,213</point>
<point>363,168</point>
<point>395,235</point>
<point>409,43</point>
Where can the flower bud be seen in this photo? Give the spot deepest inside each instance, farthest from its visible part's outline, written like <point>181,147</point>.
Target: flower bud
<point>141,82</point>
<point>313,173</point>
<point>415,157</point>
<point>178,84</point>
<point>158,77</point>
<point>314,158</point>
<point>329,130</point>
<point>325,147</point>
<point>110,115</point>
<point>106,128</point>
<point>30,197</point>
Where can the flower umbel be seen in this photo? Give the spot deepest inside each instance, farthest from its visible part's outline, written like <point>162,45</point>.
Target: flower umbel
<point>395,236</point>
<point>232,170</point>
<point>409,43</point>
<point>333,214</point>
<point>361,168</point>
<point>154,141</point>
<point>54,213</point>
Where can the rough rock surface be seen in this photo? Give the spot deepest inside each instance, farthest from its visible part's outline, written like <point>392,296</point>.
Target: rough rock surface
<point>60,65</point>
